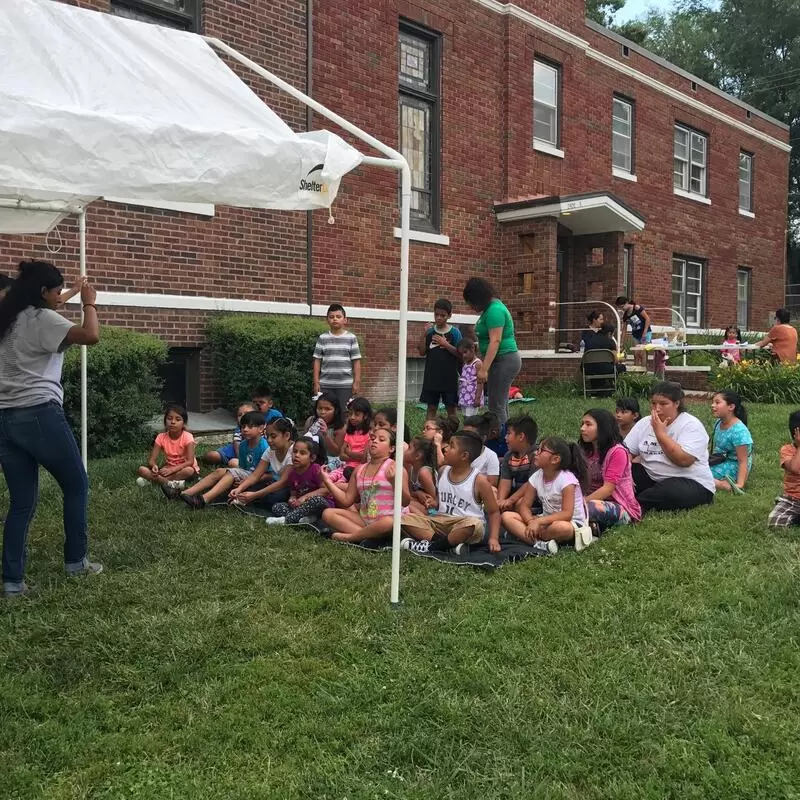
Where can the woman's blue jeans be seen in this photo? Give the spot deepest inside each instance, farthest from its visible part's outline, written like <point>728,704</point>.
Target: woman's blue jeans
<point>30,437</point>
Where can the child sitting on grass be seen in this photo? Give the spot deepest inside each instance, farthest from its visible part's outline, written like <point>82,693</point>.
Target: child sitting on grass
<point>177,446</point>
<point>356,437</point>
<point>262,400</point>
<point>421,467</point>
<point>326,423</point>
<point>439,431</point>
<point>386,418</point>
<point>787,508</point>
<point>274,462</point>
<point>465,502</point>
<point>371,486</point>
<point>517,466</point>
<point>222,480</point>
<point>731,456</point>
<point>229,454</point>
<point>308,497</point>
<point>557,482</point>
<point>487,462</point>
<point>627,414</point>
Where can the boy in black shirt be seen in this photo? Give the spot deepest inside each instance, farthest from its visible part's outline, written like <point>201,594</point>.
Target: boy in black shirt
<point>439,345</point>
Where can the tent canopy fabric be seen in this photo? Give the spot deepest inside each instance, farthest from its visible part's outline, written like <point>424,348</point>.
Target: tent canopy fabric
<point>94,105</point>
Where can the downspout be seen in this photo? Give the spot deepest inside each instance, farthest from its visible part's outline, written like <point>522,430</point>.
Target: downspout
<point>309,124</point>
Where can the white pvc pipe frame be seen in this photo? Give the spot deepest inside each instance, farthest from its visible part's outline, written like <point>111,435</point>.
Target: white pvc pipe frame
<point>393,160</point>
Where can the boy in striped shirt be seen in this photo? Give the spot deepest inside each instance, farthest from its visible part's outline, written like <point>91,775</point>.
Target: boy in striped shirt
<point>337,359</point>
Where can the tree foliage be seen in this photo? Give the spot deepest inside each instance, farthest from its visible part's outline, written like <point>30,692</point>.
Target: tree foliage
<point>603,11</point>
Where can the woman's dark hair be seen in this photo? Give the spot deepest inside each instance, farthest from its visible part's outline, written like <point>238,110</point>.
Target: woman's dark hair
<point>571,457</point>
<point>607,433</point>
<point>360,404</point>
<point>672,391</point>
<point>428,451</point>
<point>284,425</point>
<point>593,315</point>
<point>317,451</point>
<point>391,418</point>
<point>337,412</point>
<point>607,329</point>
<point>629,404</point>
<point>175,408</point>
<point>483,423</point>
<point>478,293</point>
<point>733,399</point>
<point>26,291</point>
<point>736,330</point>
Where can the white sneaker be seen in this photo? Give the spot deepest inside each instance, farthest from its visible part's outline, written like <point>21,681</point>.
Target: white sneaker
<point>176,485</point>
<point>548,548</point>
<point>583,538</point>
<point>276,520</point>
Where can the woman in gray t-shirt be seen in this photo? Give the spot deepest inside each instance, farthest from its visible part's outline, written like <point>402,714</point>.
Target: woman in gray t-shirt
<point>33,428</point>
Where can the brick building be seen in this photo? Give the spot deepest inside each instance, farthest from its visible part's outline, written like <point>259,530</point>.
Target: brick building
<point>548,154</point>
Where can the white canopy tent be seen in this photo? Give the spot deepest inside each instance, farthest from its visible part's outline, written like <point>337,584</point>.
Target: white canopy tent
<point>93,105</point>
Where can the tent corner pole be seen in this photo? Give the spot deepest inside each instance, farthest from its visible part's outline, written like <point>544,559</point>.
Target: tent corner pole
<point>84,353</point>
<point>402,346</point>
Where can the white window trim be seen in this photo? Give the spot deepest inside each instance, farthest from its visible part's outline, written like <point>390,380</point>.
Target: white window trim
<point>629,104</point>
<point>424,236</point>
<point>548,149</point>
<point>746,211</point>
<point>690,133</point>
<point>203,209</point>
<point>703,266</point>
<point>617,172</point>
<point>698,198</point>
<point>748,214</point>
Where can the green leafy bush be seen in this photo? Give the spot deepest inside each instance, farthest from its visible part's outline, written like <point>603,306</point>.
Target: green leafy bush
<point>249,350</point>
<point>759,382</point>
<point>635,384</point>
<point>123,389</point>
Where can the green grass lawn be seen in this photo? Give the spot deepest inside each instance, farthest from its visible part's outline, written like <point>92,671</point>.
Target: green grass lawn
<point>216,658</point>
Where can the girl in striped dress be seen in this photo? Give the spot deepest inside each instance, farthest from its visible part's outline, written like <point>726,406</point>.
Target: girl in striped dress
<point>371,486</point>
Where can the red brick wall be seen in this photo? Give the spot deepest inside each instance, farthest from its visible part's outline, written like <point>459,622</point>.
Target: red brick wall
<point>486,157</point>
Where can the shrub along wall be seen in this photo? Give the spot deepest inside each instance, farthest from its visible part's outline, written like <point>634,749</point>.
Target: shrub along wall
<point>124,388</point>
<point>251,350</point>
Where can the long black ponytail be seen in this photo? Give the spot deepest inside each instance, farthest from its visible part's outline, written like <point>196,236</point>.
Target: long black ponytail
<point>27,291</point>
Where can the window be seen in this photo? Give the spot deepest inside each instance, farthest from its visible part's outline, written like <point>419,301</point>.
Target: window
<point>745,181</point>
<point>689,166</point>
<point>622,135</point>
<point>415,374</point>
<point>743,298</point>
<point>545,103</point>
<point>687,289</point>
<point>182,14</point>
<point>627,270</point>
<point>420,121</point>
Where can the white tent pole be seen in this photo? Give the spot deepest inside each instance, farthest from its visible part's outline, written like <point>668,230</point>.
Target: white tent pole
<point>402,344</point>
<point>84,353</point>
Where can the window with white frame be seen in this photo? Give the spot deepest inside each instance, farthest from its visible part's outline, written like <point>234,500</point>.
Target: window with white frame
<point>687,289</point>
<point>743,298</point>
<point>415,374</point>
<point>420,132</point>
<point>545,103</point>
<point>182,14</point>
<point>689,172</point>
<point>745,181</point>
<point>622,135</point>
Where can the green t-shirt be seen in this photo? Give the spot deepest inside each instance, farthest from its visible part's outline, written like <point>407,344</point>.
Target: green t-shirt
<point>496,315</point>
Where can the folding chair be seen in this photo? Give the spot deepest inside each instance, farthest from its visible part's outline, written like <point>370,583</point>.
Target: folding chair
<point>596,360</point>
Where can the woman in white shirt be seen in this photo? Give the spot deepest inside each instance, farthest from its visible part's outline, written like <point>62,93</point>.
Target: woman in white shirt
<point>33,428</point>
<point>672,446</point>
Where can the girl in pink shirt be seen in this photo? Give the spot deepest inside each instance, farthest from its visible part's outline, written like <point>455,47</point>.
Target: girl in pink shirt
<point>611,500</point>
<point>176,444</point>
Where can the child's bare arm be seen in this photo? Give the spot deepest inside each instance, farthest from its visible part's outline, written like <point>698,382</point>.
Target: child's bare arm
<point>793,464</point>
<point>343,498</point>
<point>525,502</point>
<point>492,511</point>
<point>253,478</point>
<point>504,492</point>
<point>315,374</point>
<point>356,376</point>
<point>567,507</point>
<point>152,462</point>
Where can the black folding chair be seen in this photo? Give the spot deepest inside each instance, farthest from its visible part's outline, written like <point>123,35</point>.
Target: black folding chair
<point>601,373</point>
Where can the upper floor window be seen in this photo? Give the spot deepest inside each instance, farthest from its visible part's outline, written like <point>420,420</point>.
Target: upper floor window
<point>182,14</point>
<point>622,135</point>
<point>689,173</point>
<point>420,124</point>
<point>745,181</point>
<point>545,103</point>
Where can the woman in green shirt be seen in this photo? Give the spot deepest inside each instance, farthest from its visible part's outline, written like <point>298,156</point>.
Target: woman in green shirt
<point>495,332</point>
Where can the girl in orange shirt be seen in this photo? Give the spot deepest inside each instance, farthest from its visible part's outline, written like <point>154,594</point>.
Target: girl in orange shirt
<point>177,446</point>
